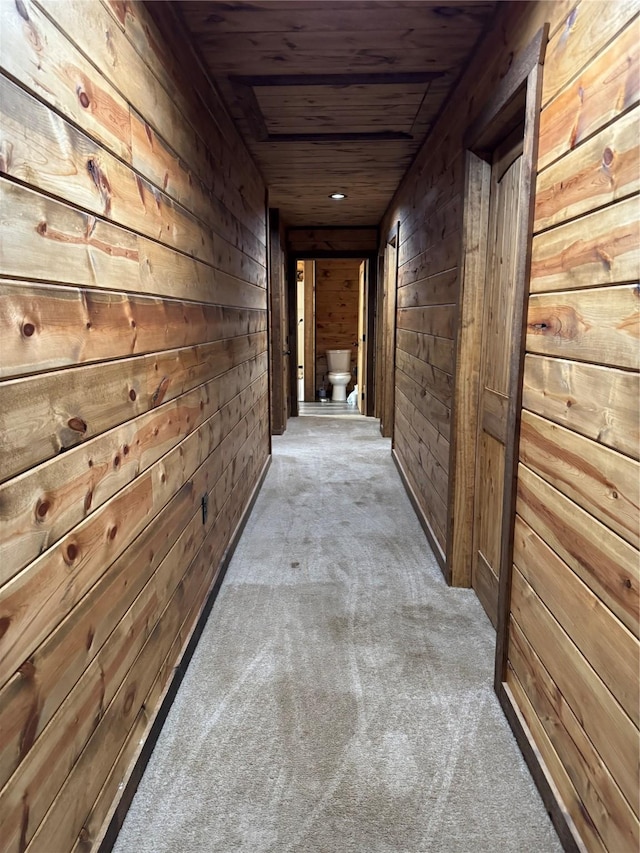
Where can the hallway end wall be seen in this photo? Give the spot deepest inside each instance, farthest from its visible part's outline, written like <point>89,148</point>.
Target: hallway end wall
<point>571,662</point>
<point>133,392</point>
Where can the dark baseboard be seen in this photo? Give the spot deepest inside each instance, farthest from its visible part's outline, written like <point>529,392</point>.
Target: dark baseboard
<point>133,780</point>
<point>424,522</point>
<point>560,817</point>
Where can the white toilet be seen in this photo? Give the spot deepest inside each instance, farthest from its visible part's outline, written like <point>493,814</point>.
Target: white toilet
<point>339,361</point>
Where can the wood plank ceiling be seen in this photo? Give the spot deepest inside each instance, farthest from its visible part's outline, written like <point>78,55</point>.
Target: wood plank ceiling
<point>333,95</point>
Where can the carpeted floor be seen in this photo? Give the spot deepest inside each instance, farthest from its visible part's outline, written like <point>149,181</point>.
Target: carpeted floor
<point>340,698</point>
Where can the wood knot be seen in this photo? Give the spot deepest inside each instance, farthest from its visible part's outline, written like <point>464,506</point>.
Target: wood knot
<point>125,449</point>
<point>27,670</point>
<point>128,702</point>
<point>116,461</point>
<point>22,10</point>
<point>42,508</point>
<point>77,424</point>
<point>627,583</point>
<point>132,395</point>
<point>607,156</point>
<point>101,182</point>
<point>41,228</point>
<point>113,532</point>
<point>5,621</point>
<point>28,330</point>
<point>558,321</point>
<point>83,98</point>
<point>71,552</point>
<point>90,635</point>
<point>161,390</point>
<point>88,500</point>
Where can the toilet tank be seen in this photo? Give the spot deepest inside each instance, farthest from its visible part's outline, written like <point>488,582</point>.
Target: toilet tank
<point>339,360</point>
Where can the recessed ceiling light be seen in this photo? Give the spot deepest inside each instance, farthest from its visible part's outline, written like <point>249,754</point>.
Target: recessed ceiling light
<point>337,196</point>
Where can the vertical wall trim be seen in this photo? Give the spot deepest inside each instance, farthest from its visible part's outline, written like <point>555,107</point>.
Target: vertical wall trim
<point>466,370</point>
<point>516,366</point>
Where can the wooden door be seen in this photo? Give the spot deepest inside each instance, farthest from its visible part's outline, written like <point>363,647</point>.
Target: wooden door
<point>362,342</point>
<point>493,401</point>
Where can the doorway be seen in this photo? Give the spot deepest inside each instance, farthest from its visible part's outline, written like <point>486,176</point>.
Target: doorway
<point>333,310</point>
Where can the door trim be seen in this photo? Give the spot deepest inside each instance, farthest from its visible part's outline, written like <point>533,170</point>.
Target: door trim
<point>388,340</point>
<point>371,260</point>
<point>525,74</point>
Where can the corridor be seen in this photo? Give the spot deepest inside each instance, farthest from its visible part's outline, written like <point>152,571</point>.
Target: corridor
<point>340,699</point>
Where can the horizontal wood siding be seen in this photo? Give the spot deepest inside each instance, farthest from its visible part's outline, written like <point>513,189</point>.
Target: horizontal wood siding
<point>573,655</point>
<point>337,292</point>
<point>133,382</point>
<point>573,640</point>
<point>307,240</point>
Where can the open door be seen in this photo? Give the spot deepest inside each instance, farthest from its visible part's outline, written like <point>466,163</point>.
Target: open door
<point>362,339</point>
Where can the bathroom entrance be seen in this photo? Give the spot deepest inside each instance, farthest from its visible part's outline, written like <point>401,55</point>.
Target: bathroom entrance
<point>333,311</point>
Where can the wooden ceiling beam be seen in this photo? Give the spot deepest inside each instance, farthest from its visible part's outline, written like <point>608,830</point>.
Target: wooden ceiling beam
<point>400,77</point>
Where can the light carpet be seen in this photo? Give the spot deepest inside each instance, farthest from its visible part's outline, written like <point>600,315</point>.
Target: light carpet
<point>340,699</point>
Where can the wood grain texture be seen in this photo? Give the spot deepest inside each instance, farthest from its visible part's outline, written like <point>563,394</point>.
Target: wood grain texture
<point>600,325</point>
<point>595,401</point>
<point>600,171</point>
<point>49,153</point>
<point>601,248</point>
<point>167,104</point>
<point>607,87</point>
<point>28,703</point>
<point>567,598</point>
<point>133,287</point>
<point>106,672</point>
<point>44,327</point>
<point>585,33</point>
<point>48,500</point>
<point>332,239</point>
<point>593,785</point>
<point>582,829</point>
<point>603,482</point>
<point>41,237</point>
<point>433,350</point>
<point>606,563</point>
<point>433,510</point>
<point>45,414</point>
<point>613,735</point>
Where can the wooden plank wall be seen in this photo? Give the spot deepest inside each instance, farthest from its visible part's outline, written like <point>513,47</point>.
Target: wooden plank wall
<point>573,649</point>
<point>336,312</point>
<point>573,638</point>
<point>348,240</point>
<point>133,383</point>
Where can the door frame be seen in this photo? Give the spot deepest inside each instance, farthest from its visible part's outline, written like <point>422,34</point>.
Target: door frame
<point>523,81</point>
<point>386,340</point>
<point>526,72</point>
<point>371,261</point>
<point>276,308</point>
